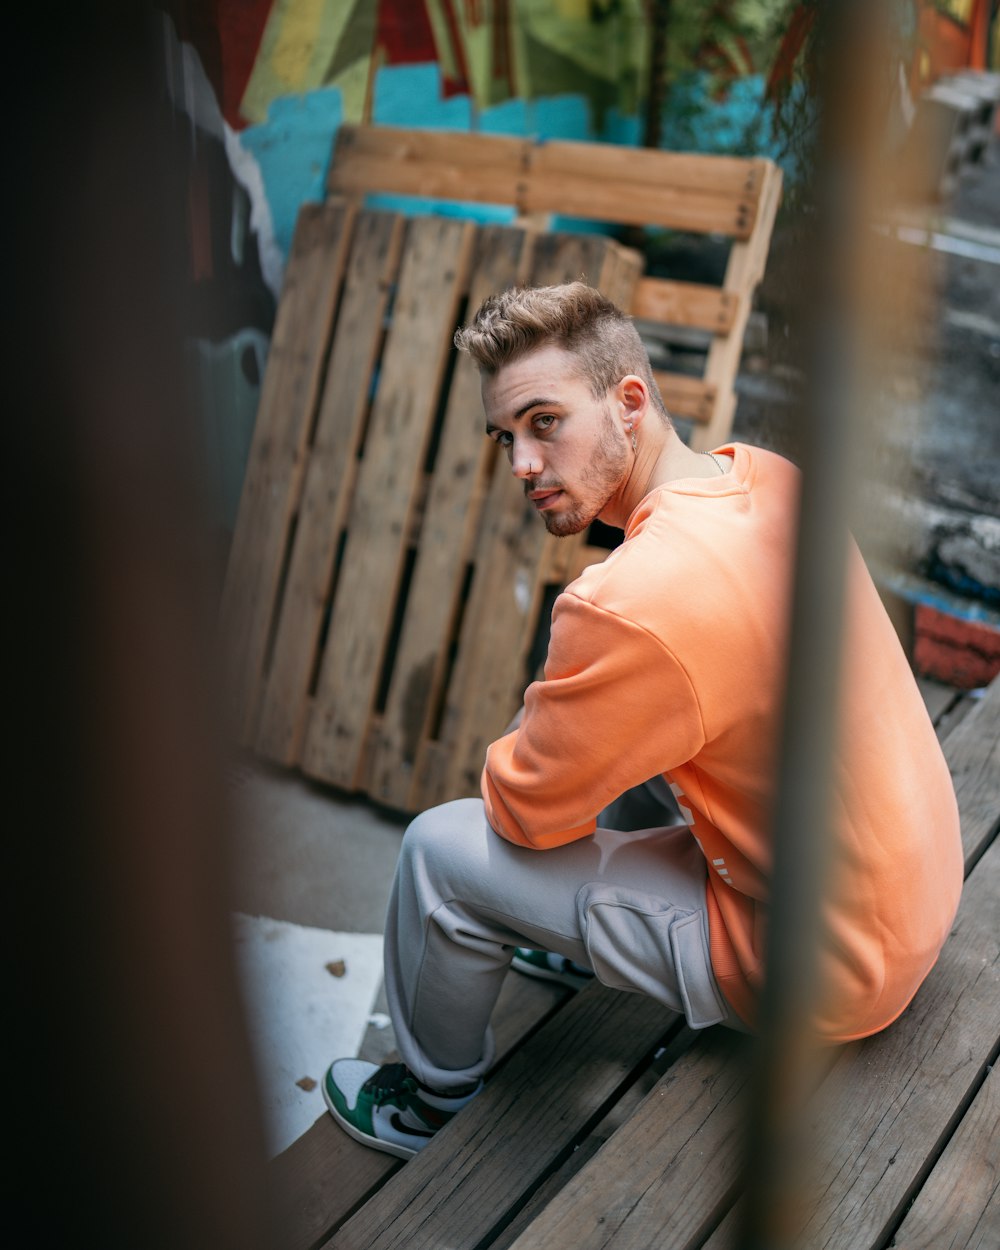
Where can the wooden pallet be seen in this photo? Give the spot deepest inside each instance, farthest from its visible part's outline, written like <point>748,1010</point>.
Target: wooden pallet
<point>733,197</point>
<point>608,1124</point>
<point>388,579</point>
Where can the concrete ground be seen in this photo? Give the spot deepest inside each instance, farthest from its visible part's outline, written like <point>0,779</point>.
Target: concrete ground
<point>311,872</point>
<point>311,857</point>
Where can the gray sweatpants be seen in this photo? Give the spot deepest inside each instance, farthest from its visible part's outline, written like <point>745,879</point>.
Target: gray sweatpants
<point>630,905</point>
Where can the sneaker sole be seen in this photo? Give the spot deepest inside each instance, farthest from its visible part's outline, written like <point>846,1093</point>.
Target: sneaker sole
<point>376,1143</point>
<point>549,974</point>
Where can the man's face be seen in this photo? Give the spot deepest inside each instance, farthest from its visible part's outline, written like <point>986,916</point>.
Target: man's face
<point>565,445</point>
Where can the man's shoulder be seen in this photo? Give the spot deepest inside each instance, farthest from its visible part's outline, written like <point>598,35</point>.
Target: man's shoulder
<point>687,551</point>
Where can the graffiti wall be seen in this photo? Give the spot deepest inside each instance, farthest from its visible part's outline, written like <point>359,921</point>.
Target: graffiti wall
<point>287,73</point>
<point>268,83</point>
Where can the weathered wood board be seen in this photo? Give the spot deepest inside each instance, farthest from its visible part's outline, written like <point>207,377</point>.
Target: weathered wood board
<point>689,192</point>
<point>462,1186</point>
<point>278,451</point>
<point>678,191</point>
<point>330,478</point>
<point>905,1123</point>
<point>325,1175</point>
<point>432,280</point>
<point>388,577</point>
<point>462,471</point>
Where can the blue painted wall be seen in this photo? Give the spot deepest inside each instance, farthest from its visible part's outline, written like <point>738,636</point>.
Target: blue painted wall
<point>294,145</point>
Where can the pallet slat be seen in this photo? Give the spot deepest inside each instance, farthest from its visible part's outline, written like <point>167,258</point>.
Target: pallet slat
<point>685,304</point>
<point>724,176</point>
<point>727,177</point>
<point>683,191</point>
<point>464,462</point>
<point>685,396</point>
<point>679,191</point>
<point>274,469</point>
<point>330,477</point>
<point>744,270</point>
<point>635,204</point>
<point>432,279</point>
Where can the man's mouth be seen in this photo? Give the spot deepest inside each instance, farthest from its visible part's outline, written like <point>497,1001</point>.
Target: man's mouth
<point>544,497</point>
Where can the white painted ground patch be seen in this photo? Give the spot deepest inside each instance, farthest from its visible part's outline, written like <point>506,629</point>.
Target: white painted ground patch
<point>300,1015</point>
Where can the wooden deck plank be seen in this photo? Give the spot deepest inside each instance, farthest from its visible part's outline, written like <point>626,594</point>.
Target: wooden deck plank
<point>433,278</point>
<point>289,396</point>
<point>329,481</point>
<point>891,1098</point>
<point>959,1206</point>
<point>972,750</point>
<point>623,1108</point>
<point>451,520</point>
<point>465,1185</point>
<point>890,1103</point>
<point>325,1175</point>
<point>669,1172</point>
<point>956,713</point>
<point>937,697</point>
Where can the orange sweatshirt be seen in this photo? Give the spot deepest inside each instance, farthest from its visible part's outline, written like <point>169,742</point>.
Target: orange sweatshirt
<point>670,658</point>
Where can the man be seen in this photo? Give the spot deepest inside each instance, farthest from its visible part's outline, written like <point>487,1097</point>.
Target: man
<point>664,662</point>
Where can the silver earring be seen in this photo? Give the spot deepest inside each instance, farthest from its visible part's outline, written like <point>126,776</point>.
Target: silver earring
<point>632,432</point>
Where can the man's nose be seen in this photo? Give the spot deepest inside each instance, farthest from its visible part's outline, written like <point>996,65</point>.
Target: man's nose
<point>523,463</point>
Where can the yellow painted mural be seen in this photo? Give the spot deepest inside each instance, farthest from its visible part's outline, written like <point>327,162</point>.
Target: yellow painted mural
<point>309,44</point>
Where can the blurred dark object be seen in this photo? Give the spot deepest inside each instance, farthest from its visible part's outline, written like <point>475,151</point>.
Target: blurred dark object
<point>135,1115</point>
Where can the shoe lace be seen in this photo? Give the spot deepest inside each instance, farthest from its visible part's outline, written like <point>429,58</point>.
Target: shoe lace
<point>391,1079</point>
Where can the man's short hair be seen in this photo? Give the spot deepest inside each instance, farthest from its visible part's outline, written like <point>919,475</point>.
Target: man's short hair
<point>575,317</point>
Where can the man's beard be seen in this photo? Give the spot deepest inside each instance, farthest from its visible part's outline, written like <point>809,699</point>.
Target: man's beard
<point>598,484</point>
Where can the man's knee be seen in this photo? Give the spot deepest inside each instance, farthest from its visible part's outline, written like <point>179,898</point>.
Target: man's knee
<point>444,835</point>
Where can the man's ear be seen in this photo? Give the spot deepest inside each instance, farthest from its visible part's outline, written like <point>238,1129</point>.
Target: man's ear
<point>633,396</point>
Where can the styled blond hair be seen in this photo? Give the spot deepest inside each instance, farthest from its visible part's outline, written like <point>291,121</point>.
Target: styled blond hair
<point>575,317</point>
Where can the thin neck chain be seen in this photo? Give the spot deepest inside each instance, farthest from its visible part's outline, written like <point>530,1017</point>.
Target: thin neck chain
<point>718,463</point>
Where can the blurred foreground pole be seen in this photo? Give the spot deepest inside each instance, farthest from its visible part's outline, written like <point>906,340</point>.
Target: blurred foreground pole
<point>854,69</point>
<point>130,1091</point>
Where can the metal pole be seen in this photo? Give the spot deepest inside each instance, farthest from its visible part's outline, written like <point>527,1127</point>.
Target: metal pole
<point>786,1055</point>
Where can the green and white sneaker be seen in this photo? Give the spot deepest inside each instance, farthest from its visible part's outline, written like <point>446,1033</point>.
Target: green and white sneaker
<point>387,1107</point>
<point>550,967</point>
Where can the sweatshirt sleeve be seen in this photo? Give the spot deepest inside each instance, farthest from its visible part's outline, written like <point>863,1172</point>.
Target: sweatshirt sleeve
<point>615,708</point>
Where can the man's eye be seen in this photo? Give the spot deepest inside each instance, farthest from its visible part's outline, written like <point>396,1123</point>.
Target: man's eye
<point>503,438</point>
<point>544,421</point>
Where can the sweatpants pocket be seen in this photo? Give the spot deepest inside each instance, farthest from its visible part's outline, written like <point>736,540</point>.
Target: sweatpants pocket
<point>641,943</point>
